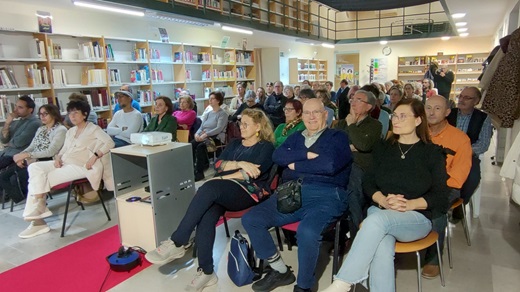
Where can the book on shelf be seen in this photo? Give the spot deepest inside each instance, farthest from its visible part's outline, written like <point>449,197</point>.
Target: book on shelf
<point>6,106</point>
<point>157,75</point>
<point>97,98</point>
<point>146,97</point>
<point>247,58</point>
<point>96,77</point>
<point>139,54</point>
<point>177,57</point>
<point>37,49</point>
<point>461,59</point>
<point>102,122</point>
<point>59,77</point>
<point>229,57</point>
<point>155,54</point>
<point>109,53</point>
<point>115,76</point>
<point>188,75</point>
<point>7,78</point>
<point>54,50</point>
<point>36,76</point>
<point>206,75</point>
<point>142,75</point>
<point>90,51</point>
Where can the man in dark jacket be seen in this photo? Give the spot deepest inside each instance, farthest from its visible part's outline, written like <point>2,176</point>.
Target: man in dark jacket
<point>342,99</point>
<point>274,105</point>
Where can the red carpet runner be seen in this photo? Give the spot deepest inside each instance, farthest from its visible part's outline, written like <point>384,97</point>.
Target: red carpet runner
<point>78,267</point>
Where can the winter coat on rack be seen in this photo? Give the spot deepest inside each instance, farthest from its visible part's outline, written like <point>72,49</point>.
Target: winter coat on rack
<point>503,95</point>
<point>511,168</point>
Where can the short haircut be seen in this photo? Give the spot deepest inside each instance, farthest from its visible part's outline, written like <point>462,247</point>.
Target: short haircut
<point>78,96</point>
<point>344,81</point>
<point>269,84</point>
<point>398,88</point>
<point>29,102</point>
<point>296,86</point>
<point>188,99</point>
<point>371,98</point>
<point>79,105</point>
<point>476,91</point>
<point>307,93</point>
<point>53,111</point>
<point>324,94</point>
<point>289,87</point>
<point>250,94</point>
<point>168,102</point>
<point>329,83</point>
<point>372,88</point>
<point>297,105</point>
<point>219,96</point>
<point>279,82</point>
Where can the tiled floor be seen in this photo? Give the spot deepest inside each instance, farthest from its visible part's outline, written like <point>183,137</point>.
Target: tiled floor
<point>492,263</point>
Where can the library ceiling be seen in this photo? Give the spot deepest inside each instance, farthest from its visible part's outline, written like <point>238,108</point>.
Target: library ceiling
<point>364,5</point>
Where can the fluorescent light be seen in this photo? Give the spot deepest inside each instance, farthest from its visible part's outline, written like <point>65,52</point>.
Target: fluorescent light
<point>327,45</point>
<point>462,29</point>
<point>458,15</point>
<point>464,34</point>
<point>235,29</point>
<point>461,23</point>
<point>109,8</point>
<point>383,42</point>
<point>178,18</point>
<point>445,38</point>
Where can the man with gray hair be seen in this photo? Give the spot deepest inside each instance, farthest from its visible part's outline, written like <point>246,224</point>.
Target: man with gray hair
<point>363,132</point>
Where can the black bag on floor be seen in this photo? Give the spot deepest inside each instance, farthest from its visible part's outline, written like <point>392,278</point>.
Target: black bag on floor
<point>240,261</point>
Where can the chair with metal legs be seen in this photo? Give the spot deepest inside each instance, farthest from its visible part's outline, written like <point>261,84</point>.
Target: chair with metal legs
<point>459,202</point>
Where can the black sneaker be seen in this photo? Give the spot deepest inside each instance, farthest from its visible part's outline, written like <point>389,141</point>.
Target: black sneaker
<point>273,280</point>
<point>298,289</point>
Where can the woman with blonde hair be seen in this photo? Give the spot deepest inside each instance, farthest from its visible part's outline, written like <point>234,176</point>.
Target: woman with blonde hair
<point>242,181</point>
<point>186,116</point>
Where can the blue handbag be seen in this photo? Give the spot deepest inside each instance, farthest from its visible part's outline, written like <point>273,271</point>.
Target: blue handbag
<point>240,261</point>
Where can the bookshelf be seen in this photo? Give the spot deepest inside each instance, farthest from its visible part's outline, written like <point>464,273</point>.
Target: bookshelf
<point>54,66</point>
<point>465,67</point>
<point>307,69</point>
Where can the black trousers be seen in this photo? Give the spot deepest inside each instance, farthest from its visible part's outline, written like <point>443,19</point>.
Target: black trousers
<point>473,180</point>
<point>200,154</point>
<point>211,201</point>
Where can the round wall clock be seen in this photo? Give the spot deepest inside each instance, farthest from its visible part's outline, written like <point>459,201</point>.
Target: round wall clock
<point>387,50</point>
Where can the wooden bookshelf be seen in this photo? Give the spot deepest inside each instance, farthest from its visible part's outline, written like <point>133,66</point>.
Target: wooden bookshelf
<point>151,68</point>
<point>307,69</point>
<point>465,67</point>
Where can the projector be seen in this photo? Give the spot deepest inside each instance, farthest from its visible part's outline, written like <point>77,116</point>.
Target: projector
<point>151,138</point>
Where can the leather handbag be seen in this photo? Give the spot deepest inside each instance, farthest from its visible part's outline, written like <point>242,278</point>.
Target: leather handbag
<point>289,196</point>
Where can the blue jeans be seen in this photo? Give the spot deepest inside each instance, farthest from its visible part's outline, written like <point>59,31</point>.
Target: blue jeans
<point>320,206</point>
<point>119,143</point>
<point>374,247</point>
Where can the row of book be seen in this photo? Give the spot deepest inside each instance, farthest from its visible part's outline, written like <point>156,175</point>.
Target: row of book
<point>245,57</point>
<point>140,76</point>
<point>97,98</point>
<point>157,75</point>
<point>37,49</point>
<point>7,78</point>
<point>114,75</point>
<point>36,77</point>
<point>96,77</point>
<point>59,77</point>
<point>90,51</point>
<point>222,75</point>
<point>139,54</point>
<point>241,73</point>
<point>200,57</point>
<point>146,97</point>
<point>54,50</point>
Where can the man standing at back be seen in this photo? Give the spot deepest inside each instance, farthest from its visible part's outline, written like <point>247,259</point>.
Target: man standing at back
<point>124,122</point>
<point>457,148</point>
<point>477,125</point>
<point>342,99</point>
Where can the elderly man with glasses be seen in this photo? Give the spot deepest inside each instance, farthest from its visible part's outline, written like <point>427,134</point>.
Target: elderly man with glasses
<point>322,159</point>
<point>363,132</point>
<point>477,125</point>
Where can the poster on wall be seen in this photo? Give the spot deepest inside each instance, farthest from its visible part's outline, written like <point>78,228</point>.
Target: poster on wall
<point>379,70</point>
<point>346,71</point>
<point>44,21</point>
<point>164,35</point>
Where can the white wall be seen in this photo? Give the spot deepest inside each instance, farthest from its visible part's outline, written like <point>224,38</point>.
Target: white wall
<point>418,47</point>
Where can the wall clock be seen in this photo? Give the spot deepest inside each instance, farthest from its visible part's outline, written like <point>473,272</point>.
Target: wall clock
<point>387,50</point>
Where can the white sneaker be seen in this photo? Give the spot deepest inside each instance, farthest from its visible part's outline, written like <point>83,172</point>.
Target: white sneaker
<point>338,286</point>
<point>202,281</point>
<point>165,253</point>
<point>39,210</point>
<point>36,228</point>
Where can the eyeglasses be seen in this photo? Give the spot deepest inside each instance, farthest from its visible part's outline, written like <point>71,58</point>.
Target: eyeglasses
<point>242,125</point>
<point>400,117</point>
<point>314,113</point>
<point>357,100</point>
<point>44,114</point>
<point>288,109</point>
<point>465,97</point>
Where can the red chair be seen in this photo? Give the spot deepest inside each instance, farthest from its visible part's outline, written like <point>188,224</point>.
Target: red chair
<point>70,185</point>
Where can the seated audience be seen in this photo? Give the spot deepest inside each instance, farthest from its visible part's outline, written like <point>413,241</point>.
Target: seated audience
<point>321,157</point>
<point>274,105</point>
<point>135,103</point>
<point>92,117</point>
<point>46,143</point>
<point>396,94</point>
<point>242,181</point>
<point>18,134</point>
<point>429,88</point>
<point>407,187</point>
<point>364,132</point>
<point>260,96</point>
<point>163,121</point>
<point>249,102</point>
<point>81,157</point>
<point>315,86</point>
<point>124,122</point>
<point>288,92</point>
<point>212,130</point>
<point>477,125</point>
<point>269,87</point>
<point>329,86</point>
<point>186,116</point>
<point>324,96</point>
<point>293,122</point>
<point>297,89</point>
<point>409,92</point>
<point>238,100</point>
<point>458,152</point>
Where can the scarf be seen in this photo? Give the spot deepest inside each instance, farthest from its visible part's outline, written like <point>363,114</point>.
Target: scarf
<point>290,125</point>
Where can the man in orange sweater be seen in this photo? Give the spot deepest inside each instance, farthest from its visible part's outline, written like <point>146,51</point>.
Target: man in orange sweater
<point>458,163</point>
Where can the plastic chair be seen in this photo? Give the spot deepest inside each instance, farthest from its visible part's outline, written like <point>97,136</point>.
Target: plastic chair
<point>70,185</point>
<point>418,245</point>
<point>457,203</point>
